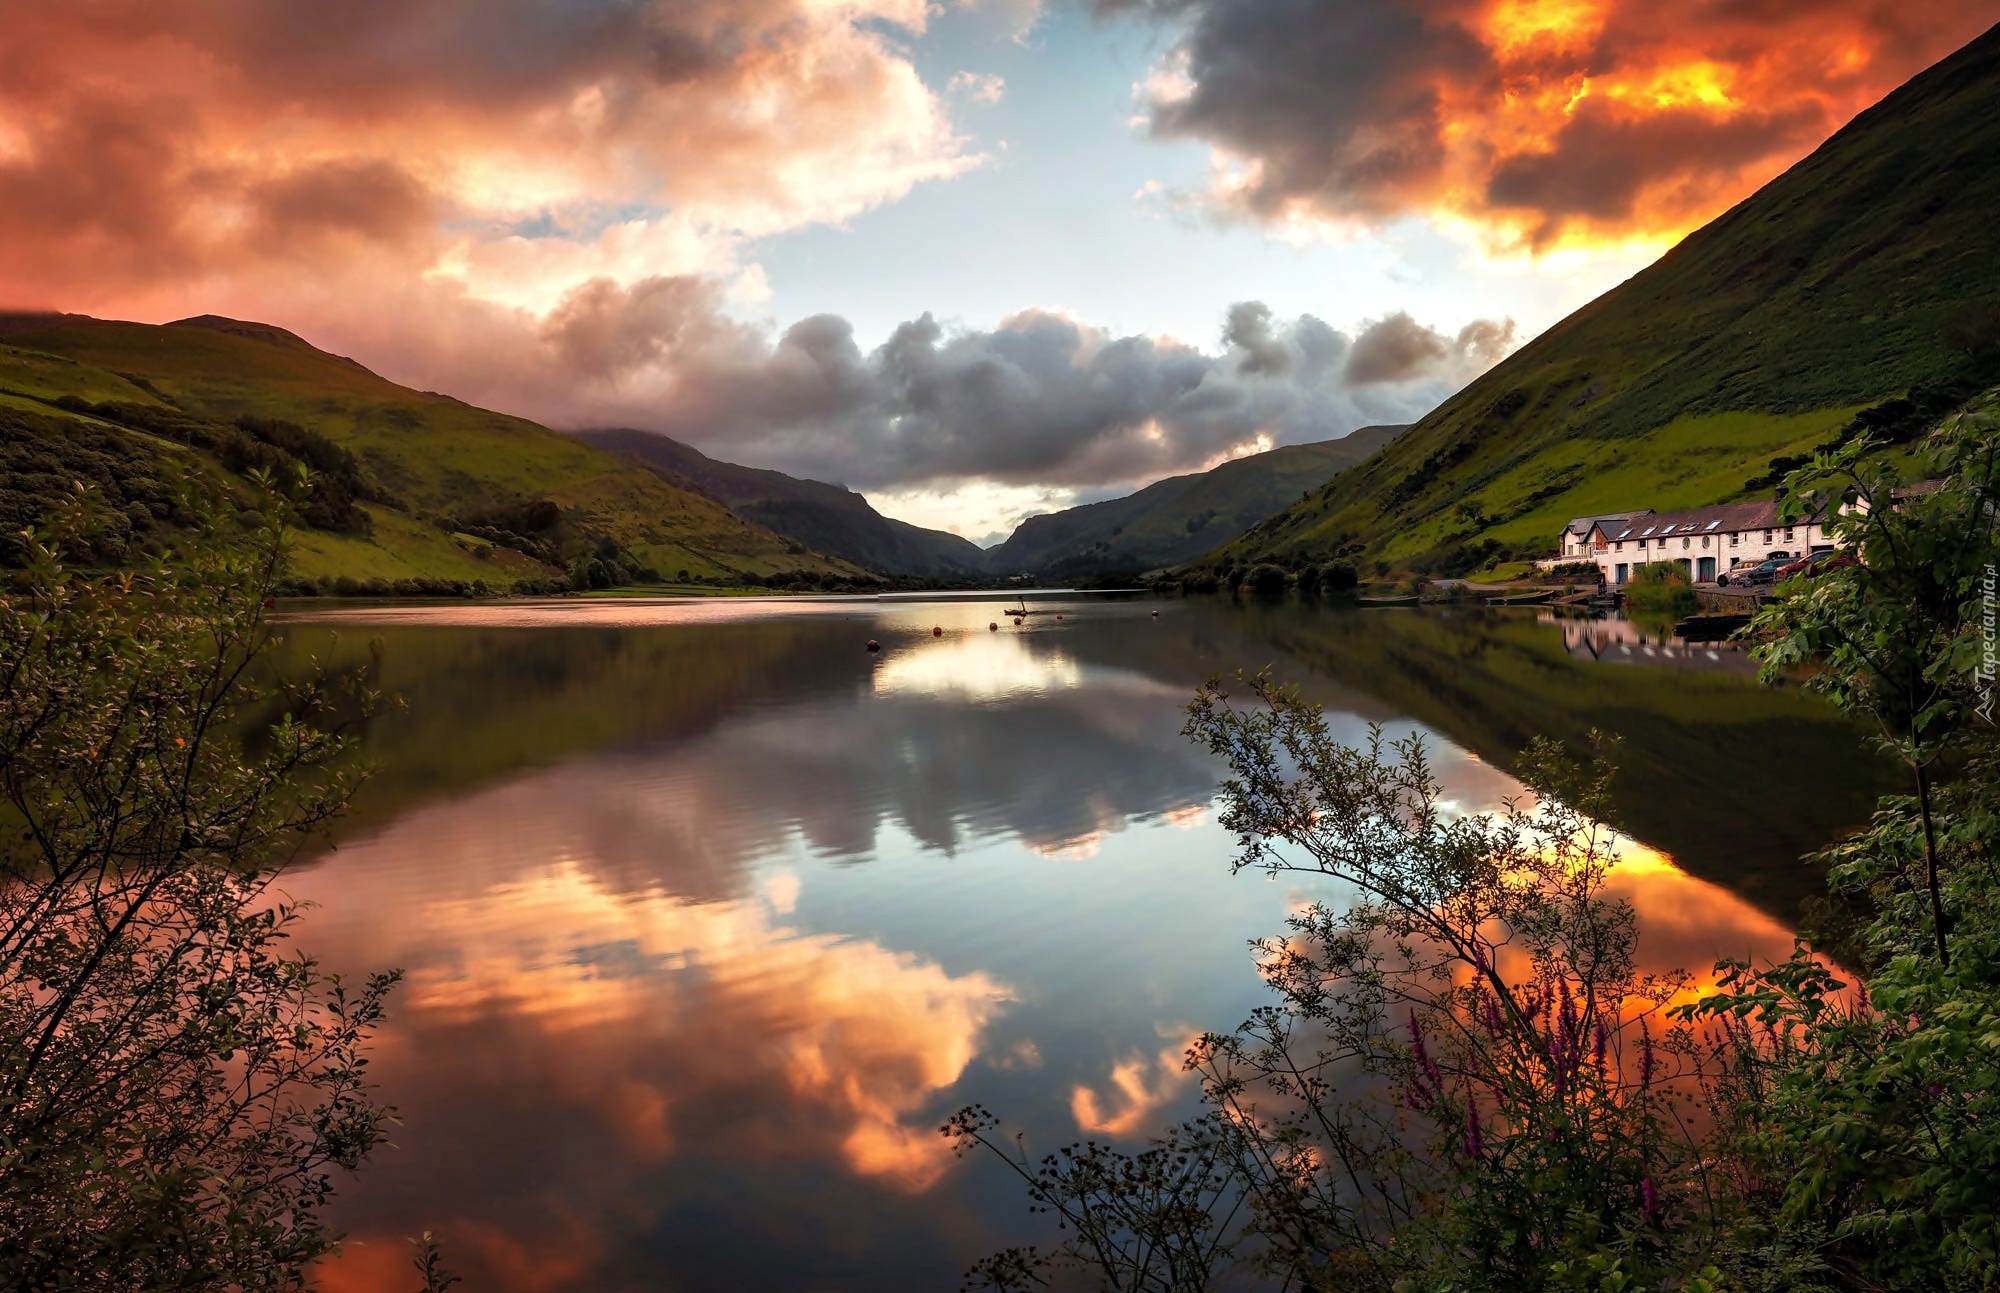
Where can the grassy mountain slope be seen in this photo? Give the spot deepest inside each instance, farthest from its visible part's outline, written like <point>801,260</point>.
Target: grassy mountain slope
<point>826,518</point>
<point>1868,270</point>
<point>1180,517</point>
<point>429,466</point>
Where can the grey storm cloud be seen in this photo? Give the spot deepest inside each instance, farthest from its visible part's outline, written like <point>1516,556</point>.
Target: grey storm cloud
<point>1040,399</point>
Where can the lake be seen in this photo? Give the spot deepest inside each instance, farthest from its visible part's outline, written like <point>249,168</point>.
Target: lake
<point>710,917</point>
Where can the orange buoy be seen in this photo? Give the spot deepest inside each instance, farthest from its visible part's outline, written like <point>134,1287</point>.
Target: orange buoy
<point>873,645</point>
<point>937,632</point>
<point>992,627</point>
<point>1017,624</point>
<point>1058,617</point>
<point>1156,615</point>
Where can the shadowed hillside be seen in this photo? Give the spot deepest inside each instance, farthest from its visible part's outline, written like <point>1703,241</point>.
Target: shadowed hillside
<point>414,485</point>
<point>1180,517</point>
<point>1868,272</point>
<point>826,518</point>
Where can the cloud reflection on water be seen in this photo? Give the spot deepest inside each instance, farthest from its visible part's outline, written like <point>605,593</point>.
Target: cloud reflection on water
<point>660,1032</point>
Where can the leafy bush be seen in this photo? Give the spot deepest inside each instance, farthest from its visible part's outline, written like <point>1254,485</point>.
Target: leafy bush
<point>1338,577</point>
<point>1465,1080</point>
<point>1265,580</point>
<point>1660,586</point>
<point>181,1084</point>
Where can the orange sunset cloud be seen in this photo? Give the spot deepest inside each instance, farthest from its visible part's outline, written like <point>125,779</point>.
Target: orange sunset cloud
<point>151,149</point>
<point>1539,123</point>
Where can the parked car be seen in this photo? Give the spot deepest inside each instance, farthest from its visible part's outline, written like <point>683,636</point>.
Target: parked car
<point>1764,574</point>
<point>1816,564</point>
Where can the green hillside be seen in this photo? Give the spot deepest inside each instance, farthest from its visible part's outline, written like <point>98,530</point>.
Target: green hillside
<point>1867,273</point>
<point>826,518</point>
<point>421,485</point>
<point>1181,517</point>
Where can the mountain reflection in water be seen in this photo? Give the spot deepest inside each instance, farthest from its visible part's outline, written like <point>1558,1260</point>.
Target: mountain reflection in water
<point>710,917</point>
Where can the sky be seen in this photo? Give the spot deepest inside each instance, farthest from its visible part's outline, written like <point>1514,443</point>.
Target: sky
<point>976,258</point>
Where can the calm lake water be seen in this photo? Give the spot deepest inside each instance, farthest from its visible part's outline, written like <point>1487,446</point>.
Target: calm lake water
<point>710,917</point>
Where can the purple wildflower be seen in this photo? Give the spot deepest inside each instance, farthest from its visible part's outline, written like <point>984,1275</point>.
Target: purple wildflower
<point>1645,1057</point>
<point>1424,1060</point>
<point>1475,1141</point>
<point>1599,1041</point>
<point>1649,1195</point>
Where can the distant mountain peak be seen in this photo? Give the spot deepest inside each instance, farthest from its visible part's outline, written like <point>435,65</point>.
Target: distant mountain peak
<point>1181,517</point>
<point>828,517</point>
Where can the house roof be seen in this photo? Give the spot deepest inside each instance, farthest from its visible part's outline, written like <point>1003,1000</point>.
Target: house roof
<point>1582,524</point>
<point>1721,518</point>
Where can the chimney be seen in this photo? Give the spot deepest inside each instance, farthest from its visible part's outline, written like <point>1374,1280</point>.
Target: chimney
<point>1778,494</point>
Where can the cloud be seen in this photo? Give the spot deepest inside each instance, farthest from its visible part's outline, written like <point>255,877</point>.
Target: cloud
<point>1399,349</point>
<point>1543,122</point>
<point>548,207</point>
<point>159,151</point>
<point>1042,398</point>
<point>979,87</point>
<point>1140,1087</point>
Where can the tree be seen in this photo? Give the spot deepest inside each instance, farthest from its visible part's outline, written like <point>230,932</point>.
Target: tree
<point>1871,1112</point>
<point>1338,576</point>
<point>1266,580</point>
<point>177,1084</point>
<point>1897,636</point>
<point>1464,1082</point>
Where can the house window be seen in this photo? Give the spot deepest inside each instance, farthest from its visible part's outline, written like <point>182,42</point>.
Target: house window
<point>1685,543</point>
<point>1620,545</point>
<point>1788,534</point>
<point>1704,540</point>
<point>1767,536</point>
<point>1734,539</point>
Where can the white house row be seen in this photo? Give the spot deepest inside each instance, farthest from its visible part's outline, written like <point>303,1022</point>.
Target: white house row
<point>1705,541</point>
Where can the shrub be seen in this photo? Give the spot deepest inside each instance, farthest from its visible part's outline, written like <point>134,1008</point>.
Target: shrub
<point>1338,577</point>
<point>181,1083</point>
<point>1661,586</point>
<point>1265,580</point>
<point>1462,1085</point>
